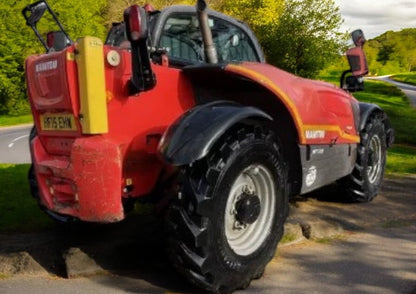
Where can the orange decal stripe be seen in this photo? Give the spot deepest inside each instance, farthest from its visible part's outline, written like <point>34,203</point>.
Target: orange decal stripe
<point>263,80</point>
<point>332,128</point>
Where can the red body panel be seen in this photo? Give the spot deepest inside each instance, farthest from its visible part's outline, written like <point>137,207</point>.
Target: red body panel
<point>321,111</point>
<point>86,176</point>
<point>52,84</point>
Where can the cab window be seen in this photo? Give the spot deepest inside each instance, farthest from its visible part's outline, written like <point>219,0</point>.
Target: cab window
<point>182,39</point>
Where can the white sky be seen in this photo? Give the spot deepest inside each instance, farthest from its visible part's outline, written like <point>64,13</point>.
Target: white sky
<point>375,17</point>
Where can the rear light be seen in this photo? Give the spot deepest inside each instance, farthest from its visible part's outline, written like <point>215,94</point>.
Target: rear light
<point>135,18</point>
<point>57,41</point>
<point>50,39</point>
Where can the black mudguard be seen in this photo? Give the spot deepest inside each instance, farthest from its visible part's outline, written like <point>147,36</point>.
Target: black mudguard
<point>366,109</point>
<point>192,135</point>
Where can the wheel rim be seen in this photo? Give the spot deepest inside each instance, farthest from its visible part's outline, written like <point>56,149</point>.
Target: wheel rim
<point>246,238</point>
<point>375,159</point>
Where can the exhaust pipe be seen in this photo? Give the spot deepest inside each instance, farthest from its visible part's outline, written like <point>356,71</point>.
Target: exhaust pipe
<point>209,47</point>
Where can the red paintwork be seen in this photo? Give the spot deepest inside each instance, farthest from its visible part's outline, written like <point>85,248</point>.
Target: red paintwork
<point>313,104</point>
<point>53,90</point>
<point>88,173</point>
<point>84,176</point>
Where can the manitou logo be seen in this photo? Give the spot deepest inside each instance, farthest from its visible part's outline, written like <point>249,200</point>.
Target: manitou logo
<point>48,65</point>
<point>315,134</point>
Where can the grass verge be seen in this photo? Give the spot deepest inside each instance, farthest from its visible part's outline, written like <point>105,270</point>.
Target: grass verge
<point>401,159</point>
<point>397,106</point>
<point>287,238</point>
<point>19,211</point>
<point>6,120</point>
<point>408,78</point>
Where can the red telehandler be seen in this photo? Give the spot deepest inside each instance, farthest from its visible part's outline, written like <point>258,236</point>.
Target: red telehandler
<point>178,108</point>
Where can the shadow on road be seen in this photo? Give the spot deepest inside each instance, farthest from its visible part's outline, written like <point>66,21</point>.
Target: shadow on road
<point>132,249</point>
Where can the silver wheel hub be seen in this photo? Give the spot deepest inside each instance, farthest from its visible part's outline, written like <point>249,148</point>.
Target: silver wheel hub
<point>250,209</point>
<point>375,159</point>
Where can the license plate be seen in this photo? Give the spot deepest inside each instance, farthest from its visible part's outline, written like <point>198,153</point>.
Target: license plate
<point>57,122</point>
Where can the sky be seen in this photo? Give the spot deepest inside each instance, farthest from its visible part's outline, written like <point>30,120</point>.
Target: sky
<point>375,17</point>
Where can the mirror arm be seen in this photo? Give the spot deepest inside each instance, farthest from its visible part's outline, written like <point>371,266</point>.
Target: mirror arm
<point>143,77</point>
<point>31,9</point>
<point>342,81</point>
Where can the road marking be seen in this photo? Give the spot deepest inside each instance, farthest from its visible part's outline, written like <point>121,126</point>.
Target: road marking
<point>17,139</point>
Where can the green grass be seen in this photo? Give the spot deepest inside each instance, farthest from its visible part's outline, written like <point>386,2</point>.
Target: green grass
<point>395,103</point>
<point>401,160</point>
<point>331,76</point>
<point>7,120</point>
<point>19,212</point>
<point>287,238</point>
<point>408,78</point>
<point>4,276</point>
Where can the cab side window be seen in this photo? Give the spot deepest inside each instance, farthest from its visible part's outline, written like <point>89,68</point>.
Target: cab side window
<point>232,43</point>
<point>182,39</point>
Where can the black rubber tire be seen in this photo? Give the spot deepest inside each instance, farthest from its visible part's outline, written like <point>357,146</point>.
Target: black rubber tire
<point>363,184</point>
<point>198,246</point>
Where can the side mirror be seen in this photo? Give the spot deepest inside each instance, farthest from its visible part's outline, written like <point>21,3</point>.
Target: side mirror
<point>142,78</point>
<point>33,14</point>
<point>358,64</point>
<point>358,38</point>
<point>136,23</point>
<point>357,60</point>
<point>57,41</point>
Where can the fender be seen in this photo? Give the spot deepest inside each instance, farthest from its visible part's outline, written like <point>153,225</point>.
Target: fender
<point>366,109</point>
<point>193,134</point>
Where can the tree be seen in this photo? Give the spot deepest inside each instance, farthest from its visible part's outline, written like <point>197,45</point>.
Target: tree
<point>17,41</point>
<point>392,52</point>
<point>260,15</point>
<point>12,90</point>
<point>307,37</point>
<point>114,8</point>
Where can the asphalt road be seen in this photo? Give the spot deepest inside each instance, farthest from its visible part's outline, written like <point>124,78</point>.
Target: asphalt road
<point>14,144</point>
